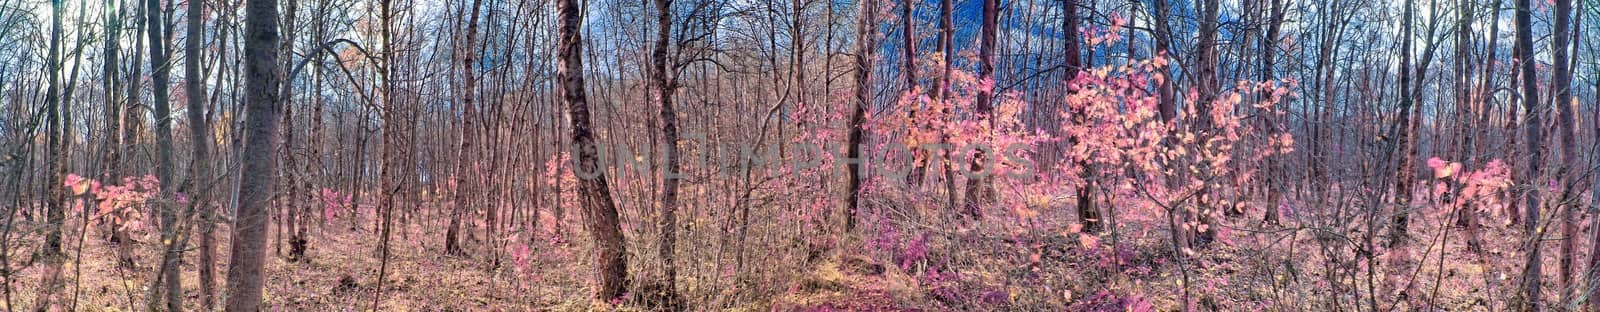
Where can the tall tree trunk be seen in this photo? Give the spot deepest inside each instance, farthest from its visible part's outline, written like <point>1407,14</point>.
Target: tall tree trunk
<point>1162,29</point>
<point>909,35</point>
<point>980,190</point>
<point>1088,211</point>
<point>908,71</point>
<point>1531,126</point>
<point>1594,196</point>
<point>1166,106</point>
<point>1404,173</point>
<point>293,199</point>
<point>1561,81</point>
<point>132,126</point>
<point>665,75</point>
<point>200,141</point>
<point>1467,102</point>
<point>390,184</point>
<point>1269,49</point>
<point>108,155</point>
<point>167,282</point>
<point>1207,87</point>
<point>465,177</point>
<point>600,213</point>
<point>51,253</point>
<point>947,34</point>
<point>255,185</point>
<point>161,80</point>
<point>865,33</point>
<point>1486,89</point>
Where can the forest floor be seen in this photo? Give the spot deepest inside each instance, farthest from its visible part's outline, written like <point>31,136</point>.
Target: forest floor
<point>1027,270</point>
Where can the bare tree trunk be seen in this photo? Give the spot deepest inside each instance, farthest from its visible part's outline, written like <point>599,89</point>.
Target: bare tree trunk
<point>1594,200</point>
<point>1162,29</point>
<point>947,33</point>
<point>109,69</point>
<point>1485,89</point>
<point>200,141</point>
<point>1531,127</point>
<point>1404,170</point>
<point>1561,80</point>
<point>909,72</point>
<point>465,178</point>
<point>980,190</point>
<point>1269,49</point>
<point>255,185</point>
<point>51,253</point>
<point>167,282</point>
<point>666,79</point>
<point>1207,87</point>
<point>1166,105</point>
<point>600,213</point>
<point>1088,211</point>
<point>132,126</point>
<point>866,17</point>
<point>390,185</point>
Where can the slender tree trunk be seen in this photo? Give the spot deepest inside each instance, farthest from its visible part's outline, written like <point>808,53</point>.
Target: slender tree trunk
<point>132,126</point>
<point>600,213</point>
<point>1162,29</point>
<point>200,142</point>
<point>909,34</point>
<point>1594,200</point>
<point>1269,49</point>
<point>1486,89</point>
<point>1207,87</point>
<point>909,72</point>
<point>1531,127</point>
<point>1404,173</point>
<point>109,159</point>
<point>1561,81</point>
<point>665,75</point>
<point>167,282</point>
<point>980,190</point>
<point>255,185</point>
<point>947,33</point>
<point>865,33</point>
<point>391,187</point>
<point>51,253</point>
<point>1088,211</point>
<point>465,178</point>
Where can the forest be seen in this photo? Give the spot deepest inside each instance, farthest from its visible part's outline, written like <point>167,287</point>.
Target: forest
<point>799,155</point>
